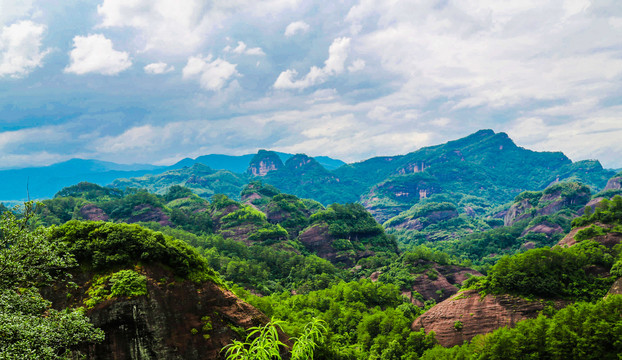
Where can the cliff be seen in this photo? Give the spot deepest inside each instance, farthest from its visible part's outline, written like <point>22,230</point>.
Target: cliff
<point>176,319</point>
<point>264,162</point>
<point>467,314</point>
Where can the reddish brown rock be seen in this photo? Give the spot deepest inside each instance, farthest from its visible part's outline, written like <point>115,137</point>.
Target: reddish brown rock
<point>609,240</point>
<point>93,213</point>
<point>546,228</point>
<point>148,213</point>
<point>441,282</point>
<point>478,315</point>
<point>614,183</point>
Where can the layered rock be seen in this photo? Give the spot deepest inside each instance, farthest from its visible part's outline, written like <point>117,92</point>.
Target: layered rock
<point>441,282</point>
<point>467,314</point>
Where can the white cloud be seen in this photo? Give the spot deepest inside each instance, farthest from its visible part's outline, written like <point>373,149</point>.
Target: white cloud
<point>334,65</point>
<point>14,10</point>
<point>212,74</point>
<point>243,49</point>
<point>357,65</point>
<point>297,27</point>
<point>158,68</point>
<point>20,48</point>
<point>182,26</point>
<point>490,54</point>
<point>593,137</point>
<point>95,54</point>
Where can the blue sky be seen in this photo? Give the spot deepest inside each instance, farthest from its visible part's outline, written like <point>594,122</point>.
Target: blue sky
<point>154,81</point>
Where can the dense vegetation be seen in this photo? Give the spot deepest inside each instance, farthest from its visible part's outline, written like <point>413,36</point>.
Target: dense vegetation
<point>365,320</point>
<point>579,331</point>
<point>444,205</point>
<point>29,327</point>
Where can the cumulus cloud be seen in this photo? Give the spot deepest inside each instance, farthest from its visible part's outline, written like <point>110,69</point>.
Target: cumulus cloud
<point>158,68</point>
<point>211,74</point>
<point>181,26</point>
<point>297,27</point>
<point>20,48</point>
<point>334,65</point>
<point>243,49</point>
<point>95,54</point>
<point>357,65</point>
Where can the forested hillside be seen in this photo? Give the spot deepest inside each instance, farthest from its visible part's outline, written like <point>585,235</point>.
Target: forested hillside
<point>181,264</point>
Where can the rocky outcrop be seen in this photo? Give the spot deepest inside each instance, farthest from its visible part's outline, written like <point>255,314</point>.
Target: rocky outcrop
<point>148,213</point>
<point>615,183</point>
<point>616,288</point>
<point>550,202</point>
<point>609,240</point>
<point>442,281</point>
<point>317,239</point>
<point>467,314</point>
<point>177,320</point>
<point>546,228</point>
<point>263,163</point>
<point>93,213</point>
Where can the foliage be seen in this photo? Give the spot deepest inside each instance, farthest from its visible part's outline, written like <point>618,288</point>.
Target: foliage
<point>579,331</point>
<point>354,223</point>
<point>260,267</point>
<point>29,327</point>
<point>606,212</point>
<point>552,273</point>
<point>128,283</point>
<point>262,343</point>
<point>89,191</point>
<point>106,245</point>
<point>362,319</point>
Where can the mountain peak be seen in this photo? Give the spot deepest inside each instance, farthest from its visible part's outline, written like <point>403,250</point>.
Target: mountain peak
<point>264,162</point>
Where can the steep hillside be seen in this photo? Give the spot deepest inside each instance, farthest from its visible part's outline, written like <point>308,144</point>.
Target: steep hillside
<point>154,297</point>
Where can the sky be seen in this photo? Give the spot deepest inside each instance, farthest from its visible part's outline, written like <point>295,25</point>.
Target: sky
<point>155,81</point>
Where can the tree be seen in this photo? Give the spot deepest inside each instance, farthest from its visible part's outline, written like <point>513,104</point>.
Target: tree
<point>29,327</point>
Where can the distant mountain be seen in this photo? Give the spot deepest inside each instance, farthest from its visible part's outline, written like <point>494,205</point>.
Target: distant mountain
<point>482,170</point>
<point>44,182</point>
<point>239,164</point>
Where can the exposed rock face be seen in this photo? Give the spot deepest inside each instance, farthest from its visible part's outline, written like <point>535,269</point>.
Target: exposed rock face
<point>478,315</point>
<point>443,282</point>
<point>146,213</point>
<point>592,203</point>
<point>264,162</point>
<point>160,325</point>
<point>517,212</point>
<point>548,204</point>
<point>616,288</point>
<point>93,213</point>
<point>609,240</point>
<point>317,239</point>
<point>614,183</point>
<point>546,228</point>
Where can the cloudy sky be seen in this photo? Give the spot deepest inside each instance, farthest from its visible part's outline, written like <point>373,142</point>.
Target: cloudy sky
<point>154,81</point>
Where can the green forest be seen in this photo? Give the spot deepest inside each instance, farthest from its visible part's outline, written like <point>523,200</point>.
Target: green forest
<point>257,272</point>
